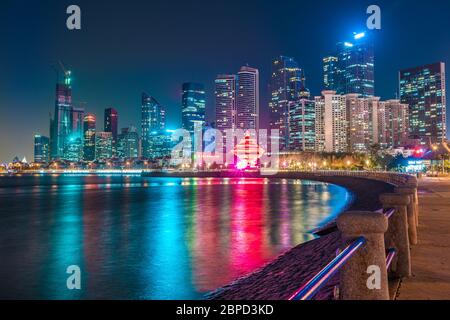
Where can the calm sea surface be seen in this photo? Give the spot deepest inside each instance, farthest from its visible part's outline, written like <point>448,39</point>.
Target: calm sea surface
<point>150,238</point>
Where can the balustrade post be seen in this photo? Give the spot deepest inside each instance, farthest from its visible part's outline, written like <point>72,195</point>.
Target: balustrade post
<point>397,234</point>
<point>414,185</point>
<point>412,216</point>
<point>364,276</point>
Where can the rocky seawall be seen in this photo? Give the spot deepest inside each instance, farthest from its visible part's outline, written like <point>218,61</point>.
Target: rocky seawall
<point>282,277</point>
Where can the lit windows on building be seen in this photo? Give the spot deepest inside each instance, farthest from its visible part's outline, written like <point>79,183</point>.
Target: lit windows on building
<point>152,120</point>
<point>423,90</point>
<point>351,69</point>
<point>103,146</point>
<point>302,131</point>
<point>330,72</point>
<point>41,148</point>
<point>89,124</point>
<point>111,122</point>
<point>193,103</point>
<point>331,122</point>
<point>225,101</point>
<point>61,127</point>
<point>128,144</point>
<point>247,101</point>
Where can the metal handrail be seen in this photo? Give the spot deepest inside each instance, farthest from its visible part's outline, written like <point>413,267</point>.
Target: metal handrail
<point>310,289</point>
<point>390,257</point>
<point>389,212</point>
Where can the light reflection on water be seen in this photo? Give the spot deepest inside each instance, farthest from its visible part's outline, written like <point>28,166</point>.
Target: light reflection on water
<point>150,238</point>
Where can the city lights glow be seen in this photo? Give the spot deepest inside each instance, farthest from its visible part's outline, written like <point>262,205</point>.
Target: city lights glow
<point>359,35</point>
<point>241,165</point>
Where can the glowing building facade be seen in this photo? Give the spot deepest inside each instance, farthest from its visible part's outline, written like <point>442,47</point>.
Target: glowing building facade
<point>61,127</point>
<point>351,69</point>
<point>103,146</point>
<point>331,122</point>
<point>225,88</point>
<point>423,89</point>
<point>89,124</point>
<point>394,124</point>
<point>111,121</point>
<point>193,102</point>
<point>128,144</point>
<point>284,87</point>
<point>152,124</point>
<point>41,148</point>
<point>302,125</point>
<point>247,102</point>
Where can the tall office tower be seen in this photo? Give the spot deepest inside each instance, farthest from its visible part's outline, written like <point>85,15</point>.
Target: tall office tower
<point>73,147</point>
<point>330,71</point>
<point>393,124</point>
<point>423,89</point>
<point>111,120</point>
<point>89,137</point>
<point>359,136</point>
<point>284,87</point>
<point>247,101</point>
<point>152,123</point>
<point>331,122</point>
<point>128,143</point>
<point>192,105</point>
<point>77,122</point>
<point>225,87</point>
<point>302,127</point>
<point>160,145</point>
<point>103,146</point>
<point>62,118</point>
<point>351,70</point>
<point>41,148</point>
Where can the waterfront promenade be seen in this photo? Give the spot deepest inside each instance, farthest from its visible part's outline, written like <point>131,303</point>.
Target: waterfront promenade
<point>431,256</point>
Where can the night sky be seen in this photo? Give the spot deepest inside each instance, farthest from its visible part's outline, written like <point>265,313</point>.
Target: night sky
<point>126,47</point>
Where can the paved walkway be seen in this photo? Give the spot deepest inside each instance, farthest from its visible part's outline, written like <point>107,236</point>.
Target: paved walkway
<point>431,257</point>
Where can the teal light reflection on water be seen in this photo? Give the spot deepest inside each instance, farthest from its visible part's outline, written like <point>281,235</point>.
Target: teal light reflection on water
<point>150,238</point>
<point>168,271</point>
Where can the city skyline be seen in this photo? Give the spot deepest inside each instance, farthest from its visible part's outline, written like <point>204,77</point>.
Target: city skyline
<point>13,141</point>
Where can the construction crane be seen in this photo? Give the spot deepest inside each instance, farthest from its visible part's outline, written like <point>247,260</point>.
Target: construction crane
<point>61,68</point>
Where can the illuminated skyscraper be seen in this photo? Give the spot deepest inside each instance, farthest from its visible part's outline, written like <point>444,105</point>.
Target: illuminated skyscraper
<point>62,118</point>
<point>111,125</point>
<point>128,143</point>
<point>225,95</point>
<point>193,103</point>
<point>331,122</point>
<point>103,146</point>
<point>73,147</point>
<point>330,70</point>
<point>362,115</point>
<point>89,137</point>
<point>41,148</point>
<point>152,123</point>
<point>423,89</point>
<point>247,102</point>
<point>394,124</point>
<point>77,122</point>
<point>351,70</point>
<point>285,85</point>
<point>302,126</point>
